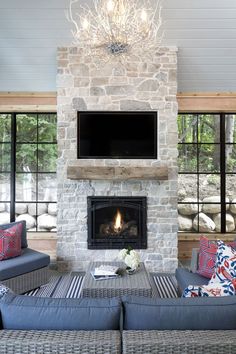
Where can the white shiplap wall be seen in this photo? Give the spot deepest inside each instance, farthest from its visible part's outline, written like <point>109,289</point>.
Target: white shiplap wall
<point>203,30</point>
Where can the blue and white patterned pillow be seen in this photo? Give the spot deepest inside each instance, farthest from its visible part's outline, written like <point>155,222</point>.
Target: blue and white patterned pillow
<point>4,290</point>
<point>221,288</point>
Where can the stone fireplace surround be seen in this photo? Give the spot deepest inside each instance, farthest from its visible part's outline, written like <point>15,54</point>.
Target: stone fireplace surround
<point>147,83</point>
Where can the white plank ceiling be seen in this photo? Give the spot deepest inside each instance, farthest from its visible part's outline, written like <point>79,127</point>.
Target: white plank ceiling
<point>203,30</point>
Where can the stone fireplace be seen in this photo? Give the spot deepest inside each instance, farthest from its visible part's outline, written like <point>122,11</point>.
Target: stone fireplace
<point>146,84</point>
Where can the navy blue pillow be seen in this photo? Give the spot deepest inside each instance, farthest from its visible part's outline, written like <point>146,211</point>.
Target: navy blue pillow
<point>32,313</point>
<point>206,313</point>
<point>24,243</point>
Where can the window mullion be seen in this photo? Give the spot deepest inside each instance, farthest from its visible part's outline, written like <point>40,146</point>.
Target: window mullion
<point>37,173</point>
<point>222,173</point>
<point>13,167</point>
<point>198,192</point>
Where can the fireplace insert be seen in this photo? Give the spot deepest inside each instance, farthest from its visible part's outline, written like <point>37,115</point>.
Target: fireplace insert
<point>117,222</point>
<point>118,135</point>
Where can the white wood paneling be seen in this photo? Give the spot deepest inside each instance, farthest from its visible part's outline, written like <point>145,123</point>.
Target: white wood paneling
<point>205,13</point>
<point>203,30</point>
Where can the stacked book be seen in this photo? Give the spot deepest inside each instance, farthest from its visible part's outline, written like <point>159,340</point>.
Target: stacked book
<point>105,272</point>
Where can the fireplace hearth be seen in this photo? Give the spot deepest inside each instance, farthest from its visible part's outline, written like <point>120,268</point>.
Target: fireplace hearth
<point>117,222</point>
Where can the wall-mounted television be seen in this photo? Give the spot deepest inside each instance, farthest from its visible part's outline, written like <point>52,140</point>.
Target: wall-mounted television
<point>117,135</point>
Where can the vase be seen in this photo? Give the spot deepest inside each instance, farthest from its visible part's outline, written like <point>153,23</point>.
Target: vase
<point>130,270</point>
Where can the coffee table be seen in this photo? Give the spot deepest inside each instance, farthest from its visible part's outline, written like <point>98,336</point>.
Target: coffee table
<point>136,284</point>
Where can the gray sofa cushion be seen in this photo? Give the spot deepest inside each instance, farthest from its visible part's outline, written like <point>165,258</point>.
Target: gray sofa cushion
<point>28,261</point>
<point>185,278</point>
<point>179,313</point>
<point>29,313</point>
<point>24,243</point>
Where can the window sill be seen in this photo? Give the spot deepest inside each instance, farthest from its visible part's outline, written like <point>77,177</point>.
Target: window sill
<point>185,236</point>
<point>41,235</point>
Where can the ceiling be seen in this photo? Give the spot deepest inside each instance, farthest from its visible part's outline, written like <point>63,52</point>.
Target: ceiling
<point>203,30</point>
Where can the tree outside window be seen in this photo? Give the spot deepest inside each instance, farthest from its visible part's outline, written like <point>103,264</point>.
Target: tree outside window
<point>28,155</point>
<point>207,173</point>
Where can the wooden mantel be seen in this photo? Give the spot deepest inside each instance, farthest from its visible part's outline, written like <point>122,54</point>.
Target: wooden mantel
<point>117,173</point>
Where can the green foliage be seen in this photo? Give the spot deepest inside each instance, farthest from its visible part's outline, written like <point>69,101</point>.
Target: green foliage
<point>213,179</point>
<point>5,128</point>
<point>197,128</point>
<point>231,165</point>
<point>36,149</point>
<point>199,143</point>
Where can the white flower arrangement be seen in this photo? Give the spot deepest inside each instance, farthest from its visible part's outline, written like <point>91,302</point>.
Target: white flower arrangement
<point>130,257</point>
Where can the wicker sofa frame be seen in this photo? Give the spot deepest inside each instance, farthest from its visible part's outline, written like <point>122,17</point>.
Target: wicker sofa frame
<point>60,342</point>
<point>179,342</point>
<point>28,281</point>
<point>115,342</point>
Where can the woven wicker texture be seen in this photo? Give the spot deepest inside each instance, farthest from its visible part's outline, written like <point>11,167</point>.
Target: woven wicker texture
<point>28,281</point>
<point>135,284</point>
<point>47,342</point>
<point>179,342</point>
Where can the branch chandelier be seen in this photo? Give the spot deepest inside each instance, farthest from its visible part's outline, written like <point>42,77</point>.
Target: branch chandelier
<point>116,28</point>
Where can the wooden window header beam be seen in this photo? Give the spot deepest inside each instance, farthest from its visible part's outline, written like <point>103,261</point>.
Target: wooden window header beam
<point>187,102</point>
<point>206,102</point>
<point>28,102</point>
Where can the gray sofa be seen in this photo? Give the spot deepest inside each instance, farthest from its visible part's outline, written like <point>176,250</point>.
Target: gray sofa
<point>47,325</point>
<point>131,326</point>
<point>179,326</point>
<point>27,271</point>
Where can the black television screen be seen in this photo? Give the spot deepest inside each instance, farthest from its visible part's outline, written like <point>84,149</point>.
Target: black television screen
<point>120,135</point>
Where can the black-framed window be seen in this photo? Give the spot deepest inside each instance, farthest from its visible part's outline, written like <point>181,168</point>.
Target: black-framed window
<point>28,155</point>
<point>207,172</point>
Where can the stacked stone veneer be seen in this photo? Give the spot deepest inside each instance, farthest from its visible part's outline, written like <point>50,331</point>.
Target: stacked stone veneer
<point>147,83</point>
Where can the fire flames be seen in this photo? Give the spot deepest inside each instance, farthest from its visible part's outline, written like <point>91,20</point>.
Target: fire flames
<point>118,221</point>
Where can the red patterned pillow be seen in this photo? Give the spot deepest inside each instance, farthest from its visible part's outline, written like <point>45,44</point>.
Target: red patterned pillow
<point>207,256</point>
<point>10,242</point>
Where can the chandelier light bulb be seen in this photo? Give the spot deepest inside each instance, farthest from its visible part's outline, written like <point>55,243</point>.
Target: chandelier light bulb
<point>144,15</point>
<point>85,24</point>
<point>110,5</point>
